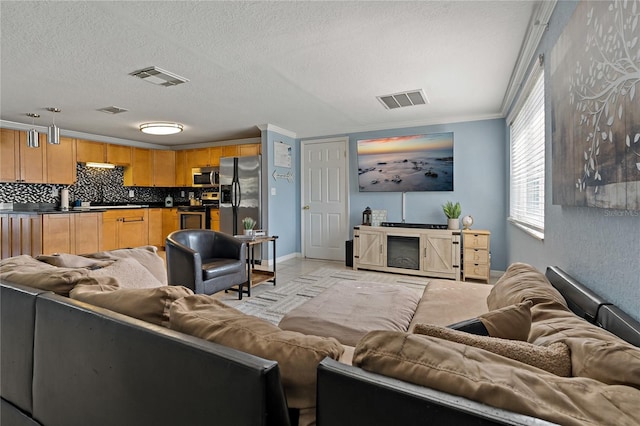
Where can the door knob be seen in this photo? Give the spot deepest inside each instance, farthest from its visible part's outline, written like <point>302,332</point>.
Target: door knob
<point>306,207</point>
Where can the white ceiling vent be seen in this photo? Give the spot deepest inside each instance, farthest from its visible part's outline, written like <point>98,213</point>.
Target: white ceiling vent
<point>403,99</point>
<point>113,110</point>
<point>159,76</point>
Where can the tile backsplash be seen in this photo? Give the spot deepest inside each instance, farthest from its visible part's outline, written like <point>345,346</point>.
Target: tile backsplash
<point>94,185</point>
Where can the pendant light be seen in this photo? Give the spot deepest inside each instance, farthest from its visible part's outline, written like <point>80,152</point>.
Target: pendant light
<point>53,131</point>
<point>32,134</point>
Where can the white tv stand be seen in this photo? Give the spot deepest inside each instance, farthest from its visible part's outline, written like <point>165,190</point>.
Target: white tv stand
<point>410,250</point>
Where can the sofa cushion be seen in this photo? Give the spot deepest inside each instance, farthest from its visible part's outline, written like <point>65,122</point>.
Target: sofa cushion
<point>522,282</point>
<point>595,352</point>
<point>128,273</point>
<point>447,302</point>
<point>26,270</point>
<point>494,380</point>
<point>298,355</point>
<point>147,256</point>
<point>214,268</point>
<point>66,260</point>
<point>148,304</point>
<point>511,322</point>
<point>554,358</point>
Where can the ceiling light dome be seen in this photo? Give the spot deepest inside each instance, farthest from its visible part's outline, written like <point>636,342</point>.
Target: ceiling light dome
<point>161,128</point>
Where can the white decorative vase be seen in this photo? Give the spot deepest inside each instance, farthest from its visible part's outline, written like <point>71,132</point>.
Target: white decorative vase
<point>248,232</point>
<point>453,223</point>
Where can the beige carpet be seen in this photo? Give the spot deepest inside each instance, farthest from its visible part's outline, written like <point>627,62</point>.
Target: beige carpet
<point>274,303</point>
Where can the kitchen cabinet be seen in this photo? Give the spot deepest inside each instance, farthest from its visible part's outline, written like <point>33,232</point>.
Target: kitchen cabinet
<point>412,251</point>
<point>140,172</point>
<point>183,175</point>
<point>230,151</point>
<point>20,163</point>
<point>5,233</point>
<point>249,149</point>
<point>199,157</point>
<point>215,220</point>
<point>169,222</point>
<point>90,151</point>
<point>164,168</point>
<point>122,228</point>
<point>118,154</point>
<point>75,233</point>
<point>61,162</point>
<point>155,227</point>
<point>24,235</point>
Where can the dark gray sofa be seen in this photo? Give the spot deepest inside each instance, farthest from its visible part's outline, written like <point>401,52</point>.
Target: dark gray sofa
<point>69,363</point>
<point>351,396</point>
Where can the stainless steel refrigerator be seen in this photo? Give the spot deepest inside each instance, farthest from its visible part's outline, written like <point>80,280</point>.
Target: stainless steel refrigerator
<point>240,193</point>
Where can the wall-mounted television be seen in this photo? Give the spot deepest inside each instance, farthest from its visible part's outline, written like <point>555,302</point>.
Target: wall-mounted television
<point>406,163</point>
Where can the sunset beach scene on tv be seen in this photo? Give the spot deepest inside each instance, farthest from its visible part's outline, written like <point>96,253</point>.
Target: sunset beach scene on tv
<point>406,163</point>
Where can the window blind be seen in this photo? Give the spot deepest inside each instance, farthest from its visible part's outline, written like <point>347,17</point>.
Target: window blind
<point>527,130</point>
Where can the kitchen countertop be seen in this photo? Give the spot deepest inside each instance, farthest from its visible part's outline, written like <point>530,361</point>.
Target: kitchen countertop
<point>52,208</point>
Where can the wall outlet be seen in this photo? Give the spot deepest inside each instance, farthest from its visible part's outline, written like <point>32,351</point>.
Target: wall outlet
<point>182,194</point>
<point>131,193</point>
<point>54,192</point>
<point>273,191</point>
<point>191,194</point>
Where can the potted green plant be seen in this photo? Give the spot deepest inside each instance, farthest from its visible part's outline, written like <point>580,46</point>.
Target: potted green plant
<point>452,211</point>
<point>248,223</point>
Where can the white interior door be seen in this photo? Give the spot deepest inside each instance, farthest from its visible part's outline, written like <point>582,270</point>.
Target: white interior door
<point>325,193</point>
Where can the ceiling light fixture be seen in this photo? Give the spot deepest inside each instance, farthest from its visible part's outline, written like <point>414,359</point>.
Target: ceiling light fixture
<point>161,128</point>
<point>32,134</point>
<point>159,76</point>
<point>53,131</point>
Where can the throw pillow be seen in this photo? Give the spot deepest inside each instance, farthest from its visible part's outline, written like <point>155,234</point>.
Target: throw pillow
<point>298,355</point>
<point>26,270</point>
<point>522,282</point>
<point>495,380</point>
<point>147,256</point>
<point>148,304</point>
<point>66,260</point>
<point>129,273</point>
<point>511,322</point>
<point>554,358</point>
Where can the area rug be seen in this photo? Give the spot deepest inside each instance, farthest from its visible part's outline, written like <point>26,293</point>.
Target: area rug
<point>274,303</point>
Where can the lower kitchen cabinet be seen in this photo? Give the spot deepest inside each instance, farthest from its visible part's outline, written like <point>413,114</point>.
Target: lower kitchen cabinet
<point>169,222</point>
<point>125,228</point>
<point>215,220</point>
<point>24,235</point>
<point>75,233</point>
<point>155,227</point>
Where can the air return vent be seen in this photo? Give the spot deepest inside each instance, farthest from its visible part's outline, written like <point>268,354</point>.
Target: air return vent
<point>403,99</point>
<point>113,110</point>
<point>159,76</point>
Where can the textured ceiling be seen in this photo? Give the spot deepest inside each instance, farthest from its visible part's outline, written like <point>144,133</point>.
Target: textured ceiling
<point>313,68</point>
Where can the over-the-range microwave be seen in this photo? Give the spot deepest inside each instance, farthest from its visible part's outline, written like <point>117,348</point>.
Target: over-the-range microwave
<point>205,177</point>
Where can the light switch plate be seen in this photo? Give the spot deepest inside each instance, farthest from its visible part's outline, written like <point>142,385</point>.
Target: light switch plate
<point>131,193</point>
<point>54,192</point>
<point>273,191</point>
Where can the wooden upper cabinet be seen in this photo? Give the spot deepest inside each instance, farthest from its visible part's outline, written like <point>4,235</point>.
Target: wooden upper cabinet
<point>183,175</point>
<point>215,153</point>
<point>230,151</point>
<point>249,149</point>
<point>9,156</point>
<point>61,162</point>
<point>90,152</point>
<point>199,157</point>
<point>33,161</point>
<point>140,173</point>
<point>119,154</point>
<point>164,168</point>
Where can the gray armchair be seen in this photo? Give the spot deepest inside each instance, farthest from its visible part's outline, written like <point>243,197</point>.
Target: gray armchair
<point>206,261</point>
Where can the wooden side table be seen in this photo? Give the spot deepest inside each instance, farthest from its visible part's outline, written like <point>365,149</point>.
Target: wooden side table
<point>257,276</point>
<point>476,258</point>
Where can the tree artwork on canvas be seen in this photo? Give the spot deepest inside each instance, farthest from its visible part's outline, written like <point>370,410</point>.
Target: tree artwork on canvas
<point>596,122</point>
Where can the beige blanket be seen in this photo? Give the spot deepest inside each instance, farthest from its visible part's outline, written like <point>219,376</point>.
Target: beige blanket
<point>350,309</point>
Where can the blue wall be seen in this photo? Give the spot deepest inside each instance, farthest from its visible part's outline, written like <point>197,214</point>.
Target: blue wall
<point>598,247</point>
<point>282,209</point>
